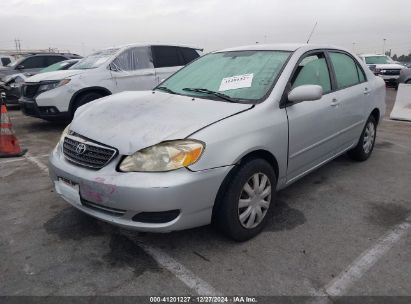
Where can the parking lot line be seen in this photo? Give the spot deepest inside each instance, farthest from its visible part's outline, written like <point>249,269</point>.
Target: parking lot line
<point>182,273</point>
<point>12,160</point>
<point>366,260</point>
<point>38,163</point>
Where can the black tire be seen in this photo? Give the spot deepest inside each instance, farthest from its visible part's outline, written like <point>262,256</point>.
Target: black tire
<point>83,99</point>
<point>226,214</point>
<point>359,153</point>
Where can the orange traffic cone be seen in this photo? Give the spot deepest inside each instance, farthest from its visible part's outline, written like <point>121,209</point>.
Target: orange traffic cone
<point>9,146</point>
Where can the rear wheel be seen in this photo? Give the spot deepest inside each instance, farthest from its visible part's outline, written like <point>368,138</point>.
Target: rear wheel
<point>242,212</point>
<point>365,145</point>
<point>83,99</point>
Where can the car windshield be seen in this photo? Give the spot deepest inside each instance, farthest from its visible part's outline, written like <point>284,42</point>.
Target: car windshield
<point>234,76</point>
<point>94,60</point>
<point>377,60</point>
<point>56,67</point>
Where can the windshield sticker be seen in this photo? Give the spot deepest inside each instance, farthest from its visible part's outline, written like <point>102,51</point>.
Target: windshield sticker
<point>236,82</point>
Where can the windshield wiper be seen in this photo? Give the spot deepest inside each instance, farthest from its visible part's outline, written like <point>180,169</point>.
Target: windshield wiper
<point>165,89</point>
<point>207,91</point>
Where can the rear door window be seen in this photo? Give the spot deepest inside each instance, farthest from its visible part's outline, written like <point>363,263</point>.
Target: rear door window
<point>346,70</point>
<point>133,59</point>
<point>313,69</point>
<point>188,55</point>
<point>166,56</point>
<point>34,62</point>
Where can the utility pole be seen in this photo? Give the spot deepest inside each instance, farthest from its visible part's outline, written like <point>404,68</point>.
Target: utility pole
<point>383,46</point>
<point>353,47</point>
<point>17,44</point>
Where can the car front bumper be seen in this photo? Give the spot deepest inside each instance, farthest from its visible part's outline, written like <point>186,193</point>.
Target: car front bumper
<point>390,78</point>
<point>121,196</point>
<point>30,108</point>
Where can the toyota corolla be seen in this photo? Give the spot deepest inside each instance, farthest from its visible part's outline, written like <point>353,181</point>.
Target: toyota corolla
<point>216,140</point>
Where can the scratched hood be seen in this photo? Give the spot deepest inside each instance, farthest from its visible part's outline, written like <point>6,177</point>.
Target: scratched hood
<point>130,121</point>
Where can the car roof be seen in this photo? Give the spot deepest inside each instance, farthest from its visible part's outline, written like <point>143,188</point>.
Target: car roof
<point>151,44</point>
<point>280,47</point>
<point>368,55</point>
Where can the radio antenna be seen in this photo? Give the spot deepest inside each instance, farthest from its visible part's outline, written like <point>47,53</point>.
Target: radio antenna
<point>312,32</point>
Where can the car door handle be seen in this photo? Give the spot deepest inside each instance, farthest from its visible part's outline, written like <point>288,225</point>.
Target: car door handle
<point>334,102</point>
<point>366,91</point>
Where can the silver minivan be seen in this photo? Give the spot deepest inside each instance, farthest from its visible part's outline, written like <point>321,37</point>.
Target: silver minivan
<point>217,139</point>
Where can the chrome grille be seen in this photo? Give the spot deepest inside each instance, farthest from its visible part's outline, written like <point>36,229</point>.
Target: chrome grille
<point>91,155</point>
<point>390,72</point>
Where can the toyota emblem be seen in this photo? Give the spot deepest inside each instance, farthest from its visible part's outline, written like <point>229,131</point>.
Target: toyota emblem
<point>81,148</point>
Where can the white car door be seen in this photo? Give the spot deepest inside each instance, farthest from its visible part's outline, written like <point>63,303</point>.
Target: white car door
<point>312,125</point>
<point>352,94</point>
<point>133,70</point>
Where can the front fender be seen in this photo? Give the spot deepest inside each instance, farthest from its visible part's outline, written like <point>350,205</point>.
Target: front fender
<point>229,140</point>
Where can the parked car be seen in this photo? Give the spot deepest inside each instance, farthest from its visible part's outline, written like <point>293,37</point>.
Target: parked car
<point>383,66</point>
<point>5,60</point>
<point>216,140</point>
<point>32,64</point>
<point>11,84</point>
<point>405,77</point>
<point>57,95</point>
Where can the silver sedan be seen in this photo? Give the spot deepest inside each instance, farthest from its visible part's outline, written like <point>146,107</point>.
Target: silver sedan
<point>216,140</point>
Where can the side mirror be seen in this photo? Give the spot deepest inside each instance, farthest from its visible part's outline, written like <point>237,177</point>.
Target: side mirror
<point>305,93</point>
<point>20,67</point>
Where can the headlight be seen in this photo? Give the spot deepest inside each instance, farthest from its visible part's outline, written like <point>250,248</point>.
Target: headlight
<point>166,156</point>
<point>47,86</point>
<point>61,140</point>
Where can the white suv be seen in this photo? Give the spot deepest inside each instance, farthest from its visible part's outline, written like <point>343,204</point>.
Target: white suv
<point>57,95</point>
<point>383,66</point>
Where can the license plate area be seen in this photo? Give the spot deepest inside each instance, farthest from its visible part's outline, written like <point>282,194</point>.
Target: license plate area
<point>69,190</point>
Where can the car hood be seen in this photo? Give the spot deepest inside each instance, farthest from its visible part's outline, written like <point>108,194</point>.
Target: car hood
<point>130,121</point>
<point>389,66</point>
<point>55,75</point>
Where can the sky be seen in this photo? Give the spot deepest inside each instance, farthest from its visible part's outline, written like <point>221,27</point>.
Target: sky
<point>88,25</point>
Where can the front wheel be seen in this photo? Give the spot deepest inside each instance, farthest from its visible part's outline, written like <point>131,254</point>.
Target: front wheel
<point>365,145</point>
<point>242,212</point>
